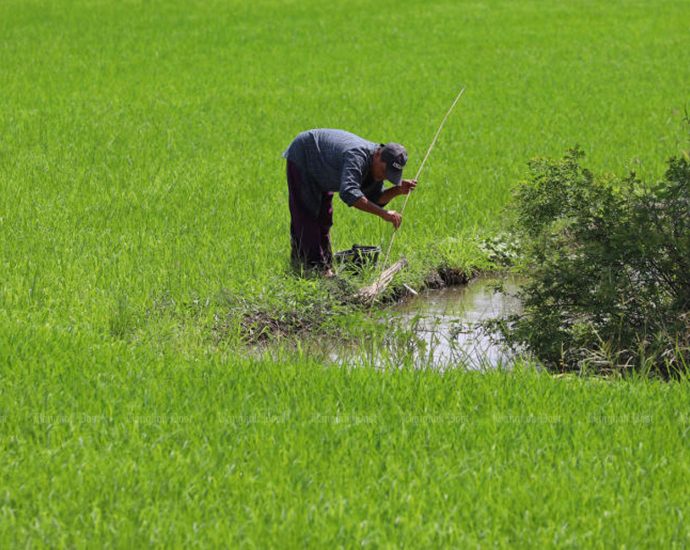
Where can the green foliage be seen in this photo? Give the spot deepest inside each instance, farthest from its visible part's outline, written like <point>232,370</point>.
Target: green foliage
<point>127,448</point>
<point>143,217</point>
<point>141,140</point>
<point>608,265</point>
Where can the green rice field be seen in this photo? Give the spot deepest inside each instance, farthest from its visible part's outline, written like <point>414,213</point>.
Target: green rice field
<point>143,217</point>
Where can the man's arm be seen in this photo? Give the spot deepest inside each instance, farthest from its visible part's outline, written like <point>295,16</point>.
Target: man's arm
<point>366,205</point>
<point>403,189</point>
<point>351,192</point>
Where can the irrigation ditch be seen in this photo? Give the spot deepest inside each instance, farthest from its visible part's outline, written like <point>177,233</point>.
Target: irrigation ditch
<point>441,325</point>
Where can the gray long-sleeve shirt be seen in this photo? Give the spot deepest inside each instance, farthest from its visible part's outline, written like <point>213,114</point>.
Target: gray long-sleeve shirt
<point>334,161</point>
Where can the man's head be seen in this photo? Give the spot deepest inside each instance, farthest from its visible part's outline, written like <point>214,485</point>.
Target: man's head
<point>388,163</point>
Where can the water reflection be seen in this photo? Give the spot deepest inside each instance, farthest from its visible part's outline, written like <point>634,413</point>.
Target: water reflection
<point>443,329</point>
<point>448,322</point>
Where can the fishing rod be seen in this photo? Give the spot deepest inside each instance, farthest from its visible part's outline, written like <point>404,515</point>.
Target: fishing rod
<point>421,167</point>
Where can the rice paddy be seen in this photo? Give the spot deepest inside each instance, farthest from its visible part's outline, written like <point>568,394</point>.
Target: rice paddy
<point>143,217</point>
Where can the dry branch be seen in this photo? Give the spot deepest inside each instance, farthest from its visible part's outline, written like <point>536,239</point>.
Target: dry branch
<point>371,292</point>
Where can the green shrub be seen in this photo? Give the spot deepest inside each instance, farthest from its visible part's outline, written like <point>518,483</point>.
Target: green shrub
<point>607,266</point>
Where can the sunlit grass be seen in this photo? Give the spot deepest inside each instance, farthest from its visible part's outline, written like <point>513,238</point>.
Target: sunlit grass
<point>143,211</point>
<point>141,141</point>
<point>130,447</point>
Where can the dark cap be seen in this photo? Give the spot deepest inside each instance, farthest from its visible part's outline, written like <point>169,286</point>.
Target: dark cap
<point>395,157</point>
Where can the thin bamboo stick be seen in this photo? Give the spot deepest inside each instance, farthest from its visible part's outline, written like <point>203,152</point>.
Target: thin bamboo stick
<point>419,172</point>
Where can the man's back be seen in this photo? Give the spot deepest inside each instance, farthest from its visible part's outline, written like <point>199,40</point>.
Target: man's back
<point>331,161</point>
<point>321,154</point>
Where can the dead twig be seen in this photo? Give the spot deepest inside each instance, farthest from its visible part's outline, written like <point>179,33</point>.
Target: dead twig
<point>369,293</point>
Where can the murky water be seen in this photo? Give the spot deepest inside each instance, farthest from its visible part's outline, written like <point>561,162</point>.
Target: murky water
<point>442,328</point>
<point>448,321</point>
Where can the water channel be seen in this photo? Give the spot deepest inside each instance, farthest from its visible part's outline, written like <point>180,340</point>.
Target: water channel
<point>442,328</point>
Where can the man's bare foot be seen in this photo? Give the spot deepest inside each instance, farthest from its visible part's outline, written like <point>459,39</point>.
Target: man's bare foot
<point>329,273</point>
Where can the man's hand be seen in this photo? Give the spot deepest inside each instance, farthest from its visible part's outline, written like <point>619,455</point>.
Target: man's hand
<point>393,217</point>
<point>407,185</point>
<point>362,203</point>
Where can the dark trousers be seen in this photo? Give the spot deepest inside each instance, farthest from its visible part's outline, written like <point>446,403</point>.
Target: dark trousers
<point>309,234</point>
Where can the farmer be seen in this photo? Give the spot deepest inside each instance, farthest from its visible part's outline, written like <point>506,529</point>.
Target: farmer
<point>321,162</point>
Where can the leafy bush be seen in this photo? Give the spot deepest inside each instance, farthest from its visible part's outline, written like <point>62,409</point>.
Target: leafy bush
<point>607,266</point>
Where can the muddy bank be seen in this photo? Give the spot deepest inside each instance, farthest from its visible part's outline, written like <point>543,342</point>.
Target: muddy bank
<point>260,324</point>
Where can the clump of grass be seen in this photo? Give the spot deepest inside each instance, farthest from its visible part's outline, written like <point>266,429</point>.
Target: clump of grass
<point>291,307</point>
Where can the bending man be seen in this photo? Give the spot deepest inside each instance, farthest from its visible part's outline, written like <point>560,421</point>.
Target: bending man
<point>322,162</point>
